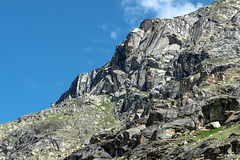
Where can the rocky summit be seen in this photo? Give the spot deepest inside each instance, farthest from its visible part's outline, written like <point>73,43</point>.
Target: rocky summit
<point>170,91</point>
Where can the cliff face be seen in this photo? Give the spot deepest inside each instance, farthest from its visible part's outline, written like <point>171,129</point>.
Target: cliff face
<point>167,86</point>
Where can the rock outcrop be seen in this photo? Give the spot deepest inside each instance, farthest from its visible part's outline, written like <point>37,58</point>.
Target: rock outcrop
<point>170,91</point>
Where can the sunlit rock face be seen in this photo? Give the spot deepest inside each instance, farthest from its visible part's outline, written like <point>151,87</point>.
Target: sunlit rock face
<point>170,91</point>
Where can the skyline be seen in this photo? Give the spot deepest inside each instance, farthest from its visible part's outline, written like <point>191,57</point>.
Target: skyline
<point>44,45</point>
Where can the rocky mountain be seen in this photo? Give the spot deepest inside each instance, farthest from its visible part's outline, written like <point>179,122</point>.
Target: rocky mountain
<point>170,91</point>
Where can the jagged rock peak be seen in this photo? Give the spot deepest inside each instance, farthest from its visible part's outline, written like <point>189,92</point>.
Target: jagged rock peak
<point>170,91</point>
<point>161,43</point>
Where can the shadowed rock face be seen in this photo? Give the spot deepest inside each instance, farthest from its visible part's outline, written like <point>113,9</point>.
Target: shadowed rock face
<point>165,86</point>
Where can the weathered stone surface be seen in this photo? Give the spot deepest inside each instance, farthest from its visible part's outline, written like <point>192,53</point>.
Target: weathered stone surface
<point>90,152</point>
<point>159,115</point>
<point>218,105</point>
<point>235,116</point>
<point>170,78</point>
<point>213,125</point>
<point>163,133</point>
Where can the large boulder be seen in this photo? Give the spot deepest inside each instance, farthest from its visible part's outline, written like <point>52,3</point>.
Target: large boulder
<point>213,125</point>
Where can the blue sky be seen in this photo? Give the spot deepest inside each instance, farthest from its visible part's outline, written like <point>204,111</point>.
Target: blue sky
<point>45,44</point>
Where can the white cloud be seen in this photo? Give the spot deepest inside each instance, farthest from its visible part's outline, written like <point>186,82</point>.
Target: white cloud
<point>113,35</point>
<point>90,63</point>
<point>96,40</point>
<point>137,9</point>
<point>106,51</point>
<point>113,29</point>
<point>104,27</point>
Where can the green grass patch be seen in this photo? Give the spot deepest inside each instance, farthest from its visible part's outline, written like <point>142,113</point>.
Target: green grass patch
<point>126,75</point>
<point>214,60</point>
<point>233,2</point>
<point>203,134</point>
<point>54,117</point>
<point>109,119</point>
<point>219,134</point>
<point>139,91</point>
<point>71,100</point>
<point>205,84</point>
<point>108,96</point>
<point>105,107</point>
<point>220,5</point>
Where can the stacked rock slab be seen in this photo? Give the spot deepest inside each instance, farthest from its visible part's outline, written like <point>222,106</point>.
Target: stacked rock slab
<point>173,76</point>
<point>173,86</point>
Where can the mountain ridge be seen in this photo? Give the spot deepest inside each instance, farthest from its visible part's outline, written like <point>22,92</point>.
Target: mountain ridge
<point>168,87</point>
